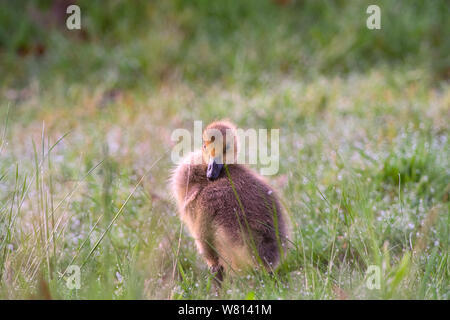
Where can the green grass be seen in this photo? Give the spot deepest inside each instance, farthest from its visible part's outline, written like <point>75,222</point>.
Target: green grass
<point>364,142</point>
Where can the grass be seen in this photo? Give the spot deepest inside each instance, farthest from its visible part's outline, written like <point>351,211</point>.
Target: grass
<point>364,143</point>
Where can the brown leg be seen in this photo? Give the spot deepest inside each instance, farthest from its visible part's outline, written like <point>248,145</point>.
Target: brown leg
<point>205,244</point>
<point>208,253</point>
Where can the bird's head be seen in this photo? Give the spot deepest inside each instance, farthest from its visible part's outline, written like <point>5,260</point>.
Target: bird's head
<point>219,147</point>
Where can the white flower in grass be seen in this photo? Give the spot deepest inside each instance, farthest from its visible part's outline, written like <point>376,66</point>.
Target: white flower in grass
<point>119,277</point>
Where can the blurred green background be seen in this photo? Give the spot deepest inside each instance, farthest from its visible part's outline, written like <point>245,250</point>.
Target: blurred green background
<point>364,168</point>
<point>148,42</point>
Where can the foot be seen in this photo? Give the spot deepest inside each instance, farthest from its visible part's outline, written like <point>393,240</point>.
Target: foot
<point>217,270</point>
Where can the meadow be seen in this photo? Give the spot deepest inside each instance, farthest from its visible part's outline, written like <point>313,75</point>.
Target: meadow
<point>86,118</point>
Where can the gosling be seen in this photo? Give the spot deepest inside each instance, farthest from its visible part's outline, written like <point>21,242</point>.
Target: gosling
<point>234,216</point>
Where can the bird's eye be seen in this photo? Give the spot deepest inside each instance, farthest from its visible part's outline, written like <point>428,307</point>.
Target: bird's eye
<point>204,146</point>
